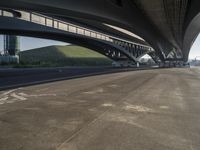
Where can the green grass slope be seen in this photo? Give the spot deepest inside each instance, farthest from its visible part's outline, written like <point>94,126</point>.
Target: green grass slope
<point>63,56</point>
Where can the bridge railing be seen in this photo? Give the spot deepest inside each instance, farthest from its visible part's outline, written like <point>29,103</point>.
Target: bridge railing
<point>65,26</point>
<point>58,24</point>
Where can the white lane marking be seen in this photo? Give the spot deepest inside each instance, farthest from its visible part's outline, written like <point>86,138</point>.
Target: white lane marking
<point>164,107</point>
<point>113,86</point>
<point>12,96</point>
<point>100,90</point>
<point>4,98</point>
<point>107,105</point>
<point>137,108</point>
<point>18,97</point>
<point>36,95</point>
<point>8,92</point>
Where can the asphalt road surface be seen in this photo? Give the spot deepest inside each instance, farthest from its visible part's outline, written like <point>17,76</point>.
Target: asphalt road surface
<point>12,78</point>
<point>138,110</point>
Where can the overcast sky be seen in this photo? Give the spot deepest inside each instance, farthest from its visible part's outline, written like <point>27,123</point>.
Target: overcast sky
<point>27,43</point>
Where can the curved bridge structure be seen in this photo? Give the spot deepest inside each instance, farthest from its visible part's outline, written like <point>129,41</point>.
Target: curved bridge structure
<point>38,25</point>
<point>169,26</point>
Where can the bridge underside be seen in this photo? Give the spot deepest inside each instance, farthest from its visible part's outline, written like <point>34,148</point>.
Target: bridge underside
<point>37,25</point>
<point>33,30</point>
<point>169,26</point>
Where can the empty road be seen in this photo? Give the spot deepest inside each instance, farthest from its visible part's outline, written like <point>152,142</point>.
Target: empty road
<point>17,77</point>
<point>138,110</point>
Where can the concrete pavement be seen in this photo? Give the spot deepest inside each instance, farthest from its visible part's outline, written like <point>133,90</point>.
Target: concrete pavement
<point>139,110</point>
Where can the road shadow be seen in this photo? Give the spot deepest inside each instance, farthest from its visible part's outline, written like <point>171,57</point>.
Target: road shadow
<point>15,78</point>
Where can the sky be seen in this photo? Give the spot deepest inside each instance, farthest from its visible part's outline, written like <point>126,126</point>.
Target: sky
<point>27,43</point>
<point>195,50</point>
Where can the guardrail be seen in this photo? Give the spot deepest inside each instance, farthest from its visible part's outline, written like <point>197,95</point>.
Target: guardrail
<point>65,26</point>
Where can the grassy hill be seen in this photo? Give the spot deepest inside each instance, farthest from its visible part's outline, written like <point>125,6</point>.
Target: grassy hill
<point>63,56</point>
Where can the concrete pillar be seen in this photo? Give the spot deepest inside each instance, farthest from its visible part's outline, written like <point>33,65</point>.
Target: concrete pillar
<point>138,64</point>
<point>11,45</point>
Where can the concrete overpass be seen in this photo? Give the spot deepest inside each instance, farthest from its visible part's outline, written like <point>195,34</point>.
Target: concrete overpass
<point>38,25</point>
<point>169,26</point>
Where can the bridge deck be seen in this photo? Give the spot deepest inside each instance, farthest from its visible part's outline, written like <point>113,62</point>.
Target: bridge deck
<point>141,110</point>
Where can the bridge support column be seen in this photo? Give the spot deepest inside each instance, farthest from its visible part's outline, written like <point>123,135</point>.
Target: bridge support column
<point>138,65</point>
